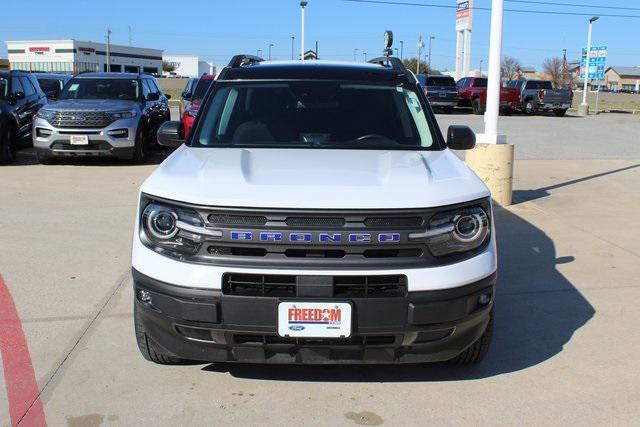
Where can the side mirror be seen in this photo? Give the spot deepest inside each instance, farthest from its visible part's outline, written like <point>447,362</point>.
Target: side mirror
<point>168,97</point>
<point>171,134</point>
<point>153,96</point>
<point>52,95</point>
<point>460,137</point>
<point>186,95</point>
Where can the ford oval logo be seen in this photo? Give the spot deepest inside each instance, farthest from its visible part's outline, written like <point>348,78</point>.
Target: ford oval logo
<point>296,328</point>
<point>79,118</point>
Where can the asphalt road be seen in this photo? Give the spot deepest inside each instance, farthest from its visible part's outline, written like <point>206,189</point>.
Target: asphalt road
<point>564,350</point>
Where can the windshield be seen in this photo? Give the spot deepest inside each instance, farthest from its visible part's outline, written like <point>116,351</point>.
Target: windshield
<point>201,90</point>
<point>50,85</point>
<point>86,88</point>
<point>4,88</point>
<point>441,81</point>
<point>315,114</point>
<point>480,83</point>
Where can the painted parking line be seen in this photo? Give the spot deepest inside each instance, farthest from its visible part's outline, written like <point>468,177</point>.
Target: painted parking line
<point>19,377</point>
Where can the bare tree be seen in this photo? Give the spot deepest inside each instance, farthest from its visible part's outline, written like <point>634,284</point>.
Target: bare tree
<point>411,63</point>
<point>555,69</point>
<point>509,68</point>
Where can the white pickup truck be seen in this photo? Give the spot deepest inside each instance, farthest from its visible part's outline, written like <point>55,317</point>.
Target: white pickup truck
<point>315,214</point>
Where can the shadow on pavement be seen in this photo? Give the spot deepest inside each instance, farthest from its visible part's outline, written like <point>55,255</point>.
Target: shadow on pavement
<point>521,196</point>
<point>537,312</point>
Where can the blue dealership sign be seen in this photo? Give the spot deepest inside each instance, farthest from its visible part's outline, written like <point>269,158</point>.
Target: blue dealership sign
<point>597,62</point>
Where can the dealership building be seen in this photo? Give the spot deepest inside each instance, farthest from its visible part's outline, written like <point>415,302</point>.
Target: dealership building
<point>74,56</point>
<point>188,66</point>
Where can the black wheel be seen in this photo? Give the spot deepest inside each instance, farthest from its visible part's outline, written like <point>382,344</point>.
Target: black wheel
<point>140,150</point>
<point>529,107</point>
<point>507,112</point>
<point>476,106</point>
<point>148,348</point>
<point>7,145</point>
<point>448,110</point>
<point>560,112</point>
<point>478,349</point>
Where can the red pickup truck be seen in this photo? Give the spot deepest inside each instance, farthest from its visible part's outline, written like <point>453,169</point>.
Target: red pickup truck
<point>191,111</point>
<point>472,92</point>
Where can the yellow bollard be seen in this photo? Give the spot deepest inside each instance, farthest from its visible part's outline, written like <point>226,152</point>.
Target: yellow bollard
<point>493,163</point>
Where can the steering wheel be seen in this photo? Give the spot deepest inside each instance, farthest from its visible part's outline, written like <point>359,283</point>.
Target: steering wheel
<point>371,136</point>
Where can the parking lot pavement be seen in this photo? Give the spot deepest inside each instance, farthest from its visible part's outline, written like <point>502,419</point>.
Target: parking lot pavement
<point>606,136</point>
<point>564,348</point>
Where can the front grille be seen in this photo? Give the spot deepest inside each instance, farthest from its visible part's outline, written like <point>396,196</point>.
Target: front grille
<point>81,119</point>
<point>394,222</point>
<point>312,342</point>
<point>266,285</point>
<point>315,222</point>
<point>224,219</point>
<point>91,146</point>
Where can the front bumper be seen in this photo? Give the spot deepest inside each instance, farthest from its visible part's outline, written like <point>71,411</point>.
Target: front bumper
<point>207,325</point>
<point>117,139</point>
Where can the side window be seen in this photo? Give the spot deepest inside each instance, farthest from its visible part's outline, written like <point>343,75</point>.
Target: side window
<point>145,88</point>
<point>36,84</point>
<point>29,90</point>
<point>154,86</point>
<point>16,86</point>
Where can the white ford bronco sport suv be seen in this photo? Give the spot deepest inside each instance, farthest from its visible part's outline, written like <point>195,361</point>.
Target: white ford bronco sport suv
<point>314,214</point>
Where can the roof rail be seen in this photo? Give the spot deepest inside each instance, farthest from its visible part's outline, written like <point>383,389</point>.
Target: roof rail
<point>240,60</point>
<point>389,61</point>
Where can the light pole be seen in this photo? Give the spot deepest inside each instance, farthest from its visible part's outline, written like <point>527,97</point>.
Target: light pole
<point>108,50</point>
<point>293,39</point>
<point>303,4</point>
<point>401,50</point>
<point>584,108</point>
<point>365,56</point>
<point>429,63</point>
<point>270,46</point>
<point>420,45</point>
<point>396,49</point>
<point>355,52</point>
<point>259,53</point>
<point>492,159</point>
<point>481,68</point>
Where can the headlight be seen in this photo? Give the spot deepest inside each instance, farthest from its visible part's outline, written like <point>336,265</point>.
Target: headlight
<point>456,231</point>
<point>45,114</point>
<point>117,115</point>
<point>173,230</point>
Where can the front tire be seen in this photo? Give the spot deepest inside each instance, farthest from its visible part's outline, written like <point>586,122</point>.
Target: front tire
<point>478,350</point>
<point>476,107</point>
<point>147,346</point>
<point>529,107</point>
<point>7,145</point>
<point>139,150</point>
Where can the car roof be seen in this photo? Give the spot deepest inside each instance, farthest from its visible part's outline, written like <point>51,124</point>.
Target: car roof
<point>92,75</point>
<point>52,75</point>
<point>313,69</point>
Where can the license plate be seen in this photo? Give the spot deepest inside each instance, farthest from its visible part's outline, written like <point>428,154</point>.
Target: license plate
<point>314,319</point>
<point>79,140</point>
<point>442,95</point>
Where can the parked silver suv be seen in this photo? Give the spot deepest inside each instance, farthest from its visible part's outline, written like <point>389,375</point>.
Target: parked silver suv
<point>102,114</point>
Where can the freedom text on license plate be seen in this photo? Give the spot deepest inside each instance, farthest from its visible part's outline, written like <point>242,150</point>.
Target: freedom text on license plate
<point>314,319</point>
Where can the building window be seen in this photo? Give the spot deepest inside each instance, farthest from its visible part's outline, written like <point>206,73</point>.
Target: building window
<point>131,69</point>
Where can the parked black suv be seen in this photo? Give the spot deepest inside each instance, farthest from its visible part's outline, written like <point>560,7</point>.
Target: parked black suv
<point>20,99</point>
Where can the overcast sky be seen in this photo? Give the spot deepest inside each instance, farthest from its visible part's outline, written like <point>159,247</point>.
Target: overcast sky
<point>217,29</point>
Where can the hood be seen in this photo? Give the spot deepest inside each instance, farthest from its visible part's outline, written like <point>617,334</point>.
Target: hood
<point>91,105</point>
<point>314,178</point>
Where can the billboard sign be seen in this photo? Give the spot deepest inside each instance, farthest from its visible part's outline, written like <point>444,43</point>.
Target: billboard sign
<point>596,64</point>
<point>464,15</point>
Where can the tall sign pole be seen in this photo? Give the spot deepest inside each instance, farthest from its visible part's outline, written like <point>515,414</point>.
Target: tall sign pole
<point>492,159</point>
<point>583,110</point>
<point>464,25</point>
<point>108,50</point>
<point>303,4</point>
